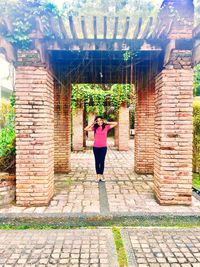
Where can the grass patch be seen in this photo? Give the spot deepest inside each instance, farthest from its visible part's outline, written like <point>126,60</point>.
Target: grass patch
<point>121,253</point>
<point>73,223</point>
<point>196,180</point>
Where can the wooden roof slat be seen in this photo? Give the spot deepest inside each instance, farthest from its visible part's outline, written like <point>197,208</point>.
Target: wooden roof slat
<point>168,29</point>
<point>39,25</point>
<point>126,27</point>
<point>8,24</point>
<point>83,27</point>
<point>116,27</point>
<point>156,28</point>
<point>62,28</point>
<point>196,30</point>
<point>137,28</point>
<point>95,26</point>
<point>72,27</point>
<point>147,28</point>
<point>161,31</point>
<point>53,27</point>
<point>104,27</point>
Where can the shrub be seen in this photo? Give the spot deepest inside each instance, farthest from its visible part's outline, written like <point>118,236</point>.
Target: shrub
<point>7,139</point>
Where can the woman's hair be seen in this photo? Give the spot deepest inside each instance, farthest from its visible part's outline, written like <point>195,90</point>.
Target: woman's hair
<point>96,125</point>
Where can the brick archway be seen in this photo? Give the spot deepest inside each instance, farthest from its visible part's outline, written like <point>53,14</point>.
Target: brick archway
<point>163,107</point>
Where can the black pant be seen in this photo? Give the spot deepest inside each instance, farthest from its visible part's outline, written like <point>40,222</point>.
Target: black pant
<point>99,154</point>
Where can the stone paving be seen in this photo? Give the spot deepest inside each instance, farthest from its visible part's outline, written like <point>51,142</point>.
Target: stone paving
<point>41,248</point>
<point>125,192</point>
<point>145,247</point>
<point>162,247</point>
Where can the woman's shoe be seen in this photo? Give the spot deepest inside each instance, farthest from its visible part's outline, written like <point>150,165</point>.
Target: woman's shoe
<point>102,178</point>
<point>98,178</point>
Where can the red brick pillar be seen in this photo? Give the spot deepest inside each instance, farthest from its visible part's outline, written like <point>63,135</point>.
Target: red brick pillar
<point>123,128</point>
<point>91,117</point>
<point>144,129</point>
<point>116,136</point>
<point>173,136</point>
<point>34,131</point>
<point>62,127</point>
<point>78,132</point>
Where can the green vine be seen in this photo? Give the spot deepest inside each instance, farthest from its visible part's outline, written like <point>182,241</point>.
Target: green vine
<point>95,98</point>
<point>21,15</point>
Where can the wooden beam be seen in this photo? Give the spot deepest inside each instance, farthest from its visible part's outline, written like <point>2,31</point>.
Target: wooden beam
<point>196,31</point>
<point>156,28</point>
<point>104,27</point>
<point>126,27</point>
<point>8,24</point>
<point>63,28</point>
<point>147,28</point>
<point>72,28</point>
<point>83,27</point>
<point>196,52</point>
<point>95,26</point>
<point>39,27</point>
<point>137,28</point>
<point>115,27</point>
<point>53,27</point>
<point>9,50</point>
<point>170,46</point>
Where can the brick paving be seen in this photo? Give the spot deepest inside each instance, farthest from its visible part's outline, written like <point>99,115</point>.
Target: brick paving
<point>125,191</point>
<point>162,247</point>
<point>57,248</point>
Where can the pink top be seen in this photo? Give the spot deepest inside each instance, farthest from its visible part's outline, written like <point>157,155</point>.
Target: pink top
<point>100,137</point>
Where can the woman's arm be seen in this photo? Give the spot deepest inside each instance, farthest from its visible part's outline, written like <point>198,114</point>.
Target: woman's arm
<point>89,127</point>
<point>112,123</point>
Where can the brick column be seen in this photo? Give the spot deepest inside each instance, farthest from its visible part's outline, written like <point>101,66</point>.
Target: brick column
<point>91,117</point>
<point>144,129</point>
<point>123,128</point>
<point>77,135</point>
<point>34,131</point>
<point>173,136</point>
<point>62,128</point>
<point>116,135</point>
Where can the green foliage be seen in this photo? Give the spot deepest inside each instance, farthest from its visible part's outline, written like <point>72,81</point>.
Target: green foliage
<point>197,80</point>
<point>7,140</point>
<point>95,98</point>
<point>196,180</point>
<point>22,15</point>
<point>196,135</point>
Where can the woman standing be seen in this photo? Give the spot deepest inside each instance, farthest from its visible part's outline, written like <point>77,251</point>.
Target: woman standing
<point>100,128</point>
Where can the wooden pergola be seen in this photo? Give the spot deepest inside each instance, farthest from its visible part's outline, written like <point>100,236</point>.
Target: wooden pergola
<point>163,53</point>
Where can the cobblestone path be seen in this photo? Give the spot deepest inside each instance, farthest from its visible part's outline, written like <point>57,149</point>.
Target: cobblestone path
<point>124,192</point>
<point>162,247</point>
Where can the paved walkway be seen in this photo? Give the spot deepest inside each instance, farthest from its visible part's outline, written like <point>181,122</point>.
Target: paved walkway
<point>57,248</point>
<point>145,247</point>
<point>162,247</point>
<point>124,192</point>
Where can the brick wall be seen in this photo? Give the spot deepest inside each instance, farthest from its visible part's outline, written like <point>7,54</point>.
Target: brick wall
<point>34,133</point>
<point>123,128</point>
<point>77,129</point>
<point>91,117</point>
<point>144,129</point>
<point>62,128</point>
<point>173,136</point>
<point>116,135</point>
<point>7,188</point>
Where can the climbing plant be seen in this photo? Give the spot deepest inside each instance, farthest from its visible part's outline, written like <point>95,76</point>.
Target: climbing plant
<point>197,80</point>
<point>20,17</point>
<point>94,97</point>
<point>196,136</point>
<point>7,139</point>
